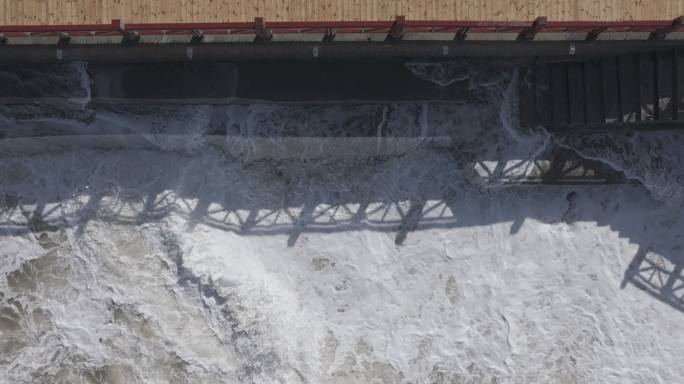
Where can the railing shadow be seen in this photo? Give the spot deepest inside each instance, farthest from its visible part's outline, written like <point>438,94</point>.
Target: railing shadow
<point>475,180</point>
<point>659,276</point>
<point>423,191</point>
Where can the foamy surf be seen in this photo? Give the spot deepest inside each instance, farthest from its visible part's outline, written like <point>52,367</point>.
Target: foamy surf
<point>194,265</point>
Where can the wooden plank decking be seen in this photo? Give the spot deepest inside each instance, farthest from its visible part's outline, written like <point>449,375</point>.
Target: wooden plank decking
<point>640,91</point>
<point>19,12</point>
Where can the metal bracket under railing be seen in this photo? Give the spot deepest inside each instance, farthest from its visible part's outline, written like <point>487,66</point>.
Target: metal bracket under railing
<point>394,31</point>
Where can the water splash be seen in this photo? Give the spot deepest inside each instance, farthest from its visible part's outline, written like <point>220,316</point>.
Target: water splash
<point>195,266</point>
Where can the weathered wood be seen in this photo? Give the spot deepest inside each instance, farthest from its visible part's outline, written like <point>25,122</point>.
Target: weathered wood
<point>593,93</point>
<point>664,65</point>
<point>542,80</point>
<point>647,86</point>
<point>90,11</point>
<point>632,91</point>
<point>576,93</point>
<point>630,94</point>
<point>679,84</point>
<point>528,102</point>
<point>559,94</point>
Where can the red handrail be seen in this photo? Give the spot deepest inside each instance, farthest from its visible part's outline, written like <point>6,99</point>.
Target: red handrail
<point>421,26</point>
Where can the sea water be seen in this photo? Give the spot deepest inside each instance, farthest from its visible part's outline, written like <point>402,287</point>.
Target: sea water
<point>181,260</point>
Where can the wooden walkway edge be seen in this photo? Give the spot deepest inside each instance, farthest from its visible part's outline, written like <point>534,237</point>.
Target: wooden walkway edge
<point>23,12</point>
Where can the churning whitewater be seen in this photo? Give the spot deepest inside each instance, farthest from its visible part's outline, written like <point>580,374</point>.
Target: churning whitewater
<point>429,259</point>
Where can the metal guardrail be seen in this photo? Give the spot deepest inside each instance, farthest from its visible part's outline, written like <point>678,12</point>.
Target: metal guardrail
<point>395,30</point>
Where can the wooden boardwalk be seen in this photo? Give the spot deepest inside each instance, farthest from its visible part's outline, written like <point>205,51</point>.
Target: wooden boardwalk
<point>641,91</point>
<point>17,12</point>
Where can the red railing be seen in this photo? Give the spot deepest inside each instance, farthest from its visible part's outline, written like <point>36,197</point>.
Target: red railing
<point>395,29</point>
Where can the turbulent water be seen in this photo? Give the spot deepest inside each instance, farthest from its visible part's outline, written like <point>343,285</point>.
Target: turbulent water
<point>184,261</point>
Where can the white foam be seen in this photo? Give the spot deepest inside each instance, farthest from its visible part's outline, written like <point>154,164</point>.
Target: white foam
<point>158,266</point>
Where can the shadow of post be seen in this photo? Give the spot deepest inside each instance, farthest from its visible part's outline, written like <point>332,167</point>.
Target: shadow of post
<point>410,220</point>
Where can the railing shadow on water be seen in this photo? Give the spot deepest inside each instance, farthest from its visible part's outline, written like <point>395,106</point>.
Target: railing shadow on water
<point>658,275</point>
<point>426,190</point>
<point>476,182</point>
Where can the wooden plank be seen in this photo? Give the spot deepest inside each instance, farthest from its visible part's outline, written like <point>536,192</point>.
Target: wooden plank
<point>647,86</point>
<point>593,93</point>
<point>107,10</point>
<point>611,90</point>
<point>576,94</point>
<point>664,71</point>
<point>559,93</point>
<point>221,11</point>
<point>28,6</point>
<point>630,93</point>
<point>527,100</point>
<point>73,11</point>
<point>679,84</point>
<point>542,87</point>
<point>68,11</point>
<point>96,11</point>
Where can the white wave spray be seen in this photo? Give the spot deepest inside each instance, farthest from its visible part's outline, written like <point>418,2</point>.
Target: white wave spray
<point>162,266</point>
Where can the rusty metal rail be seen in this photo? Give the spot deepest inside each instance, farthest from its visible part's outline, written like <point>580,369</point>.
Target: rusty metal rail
<point>395,29</point>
